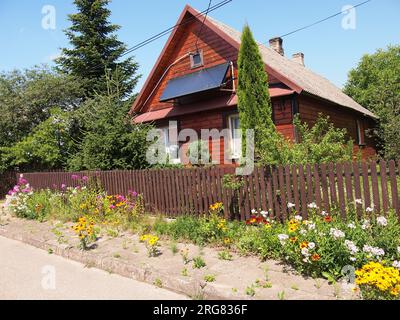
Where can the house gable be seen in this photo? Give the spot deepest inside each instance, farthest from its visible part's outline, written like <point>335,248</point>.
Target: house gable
<point>217,47</point>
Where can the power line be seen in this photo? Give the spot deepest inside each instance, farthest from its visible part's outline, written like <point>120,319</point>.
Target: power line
<point>202,25</point>
<point>323,20</point>
<point>165,32</point>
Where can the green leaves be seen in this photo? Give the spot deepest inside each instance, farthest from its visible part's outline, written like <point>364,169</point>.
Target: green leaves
<point>375,84</point>
<point>95,49</point>
<point>254,102</point>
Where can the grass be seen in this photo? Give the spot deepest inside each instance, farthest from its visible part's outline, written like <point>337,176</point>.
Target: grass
<point>185,272</point>
<point>198,263</point>
<point>174,248</point>
<point>209,278</point>
<point>250,291</point>
<point>225,255</point>
<point>158,283</point>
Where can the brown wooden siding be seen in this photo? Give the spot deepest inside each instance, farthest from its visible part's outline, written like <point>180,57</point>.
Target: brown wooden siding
<point>341,117</point>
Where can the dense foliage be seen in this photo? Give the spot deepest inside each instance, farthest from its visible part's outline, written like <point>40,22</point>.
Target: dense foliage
<point>95,49</point>
<point>254,103</point>
<point>375,84</point>
<point>110,140</point>
<point>27,98</point>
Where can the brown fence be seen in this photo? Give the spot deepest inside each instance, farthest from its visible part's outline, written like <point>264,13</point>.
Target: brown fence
<point>191,191</point>
<point>7,181</point>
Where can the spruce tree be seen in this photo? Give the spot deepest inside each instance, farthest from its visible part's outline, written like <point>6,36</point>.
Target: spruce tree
<point>95,49</point>
<point>254,102</point>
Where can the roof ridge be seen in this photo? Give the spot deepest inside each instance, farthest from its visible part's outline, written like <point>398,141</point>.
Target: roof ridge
<point>282,64</point>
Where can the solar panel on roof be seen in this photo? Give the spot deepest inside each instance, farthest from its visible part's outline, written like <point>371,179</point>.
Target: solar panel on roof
<point>200,81</point>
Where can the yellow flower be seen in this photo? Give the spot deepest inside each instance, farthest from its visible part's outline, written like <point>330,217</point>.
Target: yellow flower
<point>303,245</point>
<point>227,241</point>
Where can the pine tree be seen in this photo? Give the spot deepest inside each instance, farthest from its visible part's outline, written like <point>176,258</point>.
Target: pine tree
<point>95,49</point>
<point>254,102</point>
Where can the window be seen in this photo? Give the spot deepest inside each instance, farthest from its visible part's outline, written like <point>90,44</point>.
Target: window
<point>360,133</point>
<point>171,149</point>
<point>235,136</point>
<point>196,59</point>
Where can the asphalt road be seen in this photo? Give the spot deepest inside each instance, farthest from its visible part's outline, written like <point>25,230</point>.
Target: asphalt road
<point>33,274</point>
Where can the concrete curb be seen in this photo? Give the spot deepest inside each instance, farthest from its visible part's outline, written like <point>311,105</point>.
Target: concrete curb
<point>192,288</point>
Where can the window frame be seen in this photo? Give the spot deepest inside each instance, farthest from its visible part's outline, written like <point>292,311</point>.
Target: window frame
<point>194,65</point>
<point>167,145</point>
<point>234,154</point>
<point>360,132</point>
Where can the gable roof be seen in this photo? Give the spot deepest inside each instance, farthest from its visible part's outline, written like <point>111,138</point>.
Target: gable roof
<point>294,75</point>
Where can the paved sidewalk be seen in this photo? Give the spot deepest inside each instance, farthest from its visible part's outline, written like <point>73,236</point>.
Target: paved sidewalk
<point>27,273</point>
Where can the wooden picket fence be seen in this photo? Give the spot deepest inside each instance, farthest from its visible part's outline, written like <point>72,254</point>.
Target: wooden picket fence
<point>7,181</point>
<point>175,192</point>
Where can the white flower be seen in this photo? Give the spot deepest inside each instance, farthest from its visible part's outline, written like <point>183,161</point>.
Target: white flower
<point>298,218</point>
<point>353,259</point>
<point>305,252</point>
<point>291,205</point>
<point>396,264</point>
<point>351,225</point>
<point>366,224</point>
<point>370,209</point>
<point>254,211</point>
<point>324,213</point>
<point>264,214</point>
<point>351,246</point>
<point>302,232</point>
<point>312,205</point>
<point>311,226</point>
<point>336,233</point>
<point>306,260</point>
<point>282,238</point>
<point>311,245</point>
<point>381,221</point>
<point>378,252</point>
<point>358,201</point>
<point>398,249</point>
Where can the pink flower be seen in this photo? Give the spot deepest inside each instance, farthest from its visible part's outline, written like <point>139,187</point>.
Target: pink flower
<point>132,193</point>
<point>85,178</point>
<point>75,177</point>
<point>22,181</point>
<point>112,207</point>
<point>63,186</point>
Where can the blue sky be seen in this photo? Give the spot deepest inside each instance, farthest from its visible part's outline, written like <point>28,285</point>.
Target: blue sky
<point>329,49</point>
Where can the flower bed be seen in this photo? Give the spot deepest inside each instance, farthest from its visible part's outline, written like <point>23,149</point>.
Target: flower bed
<point>323,244</point>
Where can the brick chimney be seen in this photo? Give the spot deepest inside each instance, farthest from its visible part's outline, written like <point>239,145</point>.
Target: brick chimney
<point>298,58</point>
<point>276,44</point>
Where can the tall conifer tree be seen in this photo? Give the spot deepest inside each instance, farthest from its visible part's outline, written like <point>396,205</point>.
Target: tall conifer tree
<point>95,49</point>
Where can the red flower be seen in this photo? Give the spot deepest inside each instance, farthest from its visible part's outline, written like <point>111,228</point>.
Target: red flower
<point>328,219</point>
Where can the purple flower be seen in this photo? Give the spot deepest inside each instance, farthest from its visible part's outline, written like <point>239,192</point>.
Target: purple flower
<point>132,193</point>
<point>11,192</point>
<point>63,186</point>
<point>16,189</point>
<point>26,190</point>
<point>22,181</point>
<point>75,177</point>
<point>112,207</point>
<point>85,178</point>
